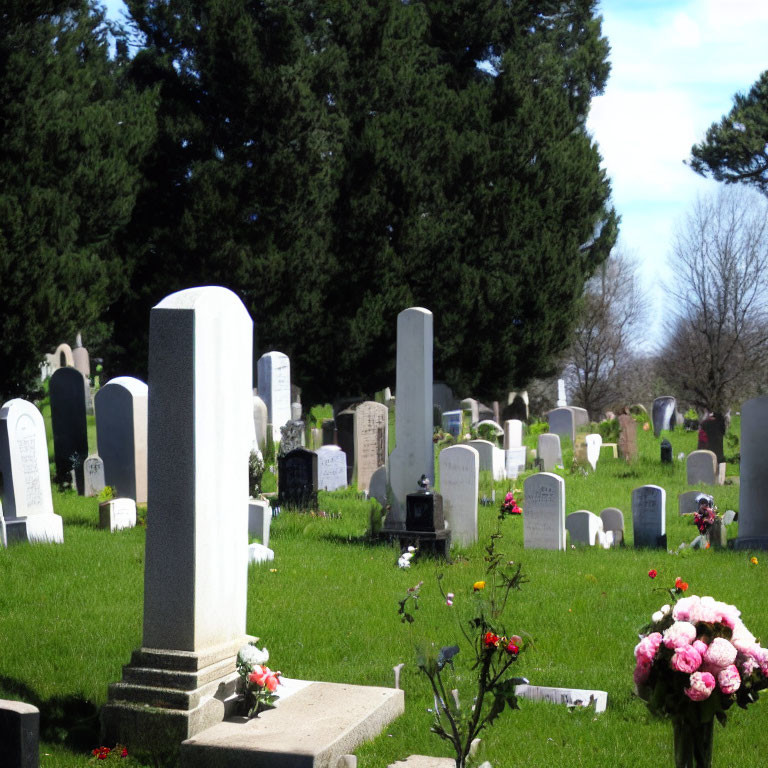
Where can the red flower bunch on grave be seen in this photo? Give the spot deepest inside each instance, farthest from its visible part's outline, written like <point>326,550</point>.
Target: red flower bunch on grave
<point>653,573</point>
<point>110,755</point>
<point>509,506</point>
<point>704,516</point>
<point>681,585</point>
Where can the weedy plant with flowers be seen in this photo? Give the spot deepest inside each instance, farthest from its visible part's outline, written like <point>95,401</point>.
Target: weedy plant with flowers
<point>258,682</point>
<point>509,505</point>
<point>459,717</point>
<point>695,659</point>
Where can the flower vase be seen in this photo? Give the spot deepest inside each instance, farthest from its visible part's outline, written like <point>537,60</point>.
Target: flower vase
<point>693,743</point>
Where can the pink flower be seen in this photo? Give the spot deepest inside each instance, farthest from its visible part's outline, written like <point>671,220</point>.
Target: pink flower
<point>748,666</point>
<point>729,680</point>
<point>720,654</point>
<point>700,646</point>
<point>686,609</point>
<point>742,638</point>
<point>702,685</point>
<point>685,659</point>
<point>646,649</point>
<point>680,633</point>
<point>642,672</point>
<point>272,682</point>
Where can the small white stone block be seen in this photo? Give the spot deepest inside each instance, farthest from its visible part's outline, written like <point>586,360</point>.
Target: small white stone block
<point>117,514</point>
<point>258,553</point>
<point>259,519</point>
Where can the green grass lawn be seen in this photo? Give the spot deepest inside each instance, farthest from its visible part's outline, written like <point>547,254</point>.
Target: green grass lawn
<point>326,608</point>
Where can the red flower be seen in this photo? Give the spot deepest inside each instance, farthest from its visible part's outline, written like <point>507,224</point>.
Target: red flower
<point>653,573</point>
<point>680,584</point>
<point>124,753</point>
<point>511,648</point>
<point>491,640</point>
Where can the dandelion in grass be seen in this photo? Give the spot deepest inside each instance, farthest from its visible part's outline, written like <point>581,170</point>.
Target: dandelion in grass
<point>753,561</point>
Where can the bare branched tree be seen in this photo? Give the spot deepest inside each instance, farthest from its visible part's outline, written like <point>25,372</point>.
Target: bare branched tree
<point>605,337</point>
<point>717,345</point>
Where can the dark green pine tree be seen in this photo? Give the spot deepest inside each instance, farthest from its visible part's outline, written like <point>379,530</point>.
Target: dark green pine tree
<point>70,139</point>
<point>734,150</point>
<point>335,162</point>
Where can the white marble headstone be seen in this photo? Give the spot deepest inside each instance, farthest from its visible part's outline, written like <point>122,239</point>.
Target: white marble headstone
<point>117,514</point>
<point>274,383</point>
<point>585,528</point>
<point>331,468</point>
<point>459,478</point>
<point>548,450</point>
<point>594,442</point>
<point>513,434</point>
<point>492,459</point>
<point>94,476</point>
<point>544,512</point>
<point>26,475</point>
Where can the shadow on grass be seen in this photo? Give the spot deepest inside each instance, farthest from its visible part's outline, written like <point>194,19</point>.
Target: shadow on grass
<point>72,721</point>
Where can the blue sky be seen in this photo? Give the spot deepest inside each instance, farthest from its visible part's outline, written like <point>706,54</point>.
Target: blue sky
<point>675,67</point>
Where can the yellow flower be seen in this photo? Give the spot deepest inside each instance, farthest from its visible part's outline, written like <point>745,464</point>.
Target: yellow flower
<point>478,585</point>
<point>753,561</point>
<point>273,570</point>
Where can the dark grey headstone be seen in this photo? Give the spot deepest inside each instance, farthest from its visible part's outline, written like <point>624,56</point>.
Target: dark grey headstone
<point>666,452</point>
<point>70,434</point>
<point>19,734</point>
<point>663,414</point>
<point>711,433</point>
<point>345,438</point>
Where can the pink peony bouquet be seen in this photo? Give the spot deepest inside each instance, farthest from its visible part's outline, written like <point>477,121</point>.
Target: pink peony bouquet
<point>509,506</point>
<point>696,659</point>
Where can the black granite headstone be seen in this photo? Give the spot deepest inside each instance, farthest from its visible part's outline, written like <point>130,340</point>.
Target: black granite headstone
<point>711,432</point>
<point>424,509</point>
<point>19,735</point>
<point>329,432</point>
<point>666,452</point>
<point>297,478</point>
<point>68,421</point>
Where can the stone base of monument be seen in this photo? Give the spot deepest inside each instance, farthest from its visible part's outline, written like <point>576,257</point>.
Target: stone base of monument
<point>35,529</point>
<point>313,726</point>
<point>750,542</point>
<point>168,696</point>
<point>424,761</point>
<point>436,542</point>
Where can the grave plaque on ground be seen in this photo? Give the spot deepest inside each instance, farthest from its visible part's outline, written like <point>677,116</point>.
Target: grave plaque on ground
<point>196,553</point>
<point>70,433</point>
<point>26,491</point>
<point>513,434</point>
<point>121,435</point>
<point>649,516</point>
<point>274,384</point>
<point>414,452</point>
<point>663,413</point>
<point>548,451</point>
<point>627,436</point>
<point>701,468</point>
<point>492,459</point>
<point>753,487</point>
<point>613,525</point>
<point>297,478</point>
<point>584,527</point>
<point>331,468</point>
<point>371,423</point>
<point>544,512</point>
<point>452,423</point>
<point>459,477</point>
<point>94,476</point>
<point>593,443</point>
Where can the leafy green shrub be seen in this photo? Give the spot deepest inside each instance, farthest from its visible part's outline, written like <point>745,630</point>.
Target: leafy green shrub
<point>107,493</point>
<point>609,430</point>
<point>538,428</point>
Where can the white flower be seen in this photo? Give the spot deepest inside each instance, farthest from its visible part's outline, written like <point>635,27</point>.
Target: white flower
<point>657,617</point>
<point>403,561</point>
<point>411,549</point>
<point>251,655</point>
<point>665,609</point>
